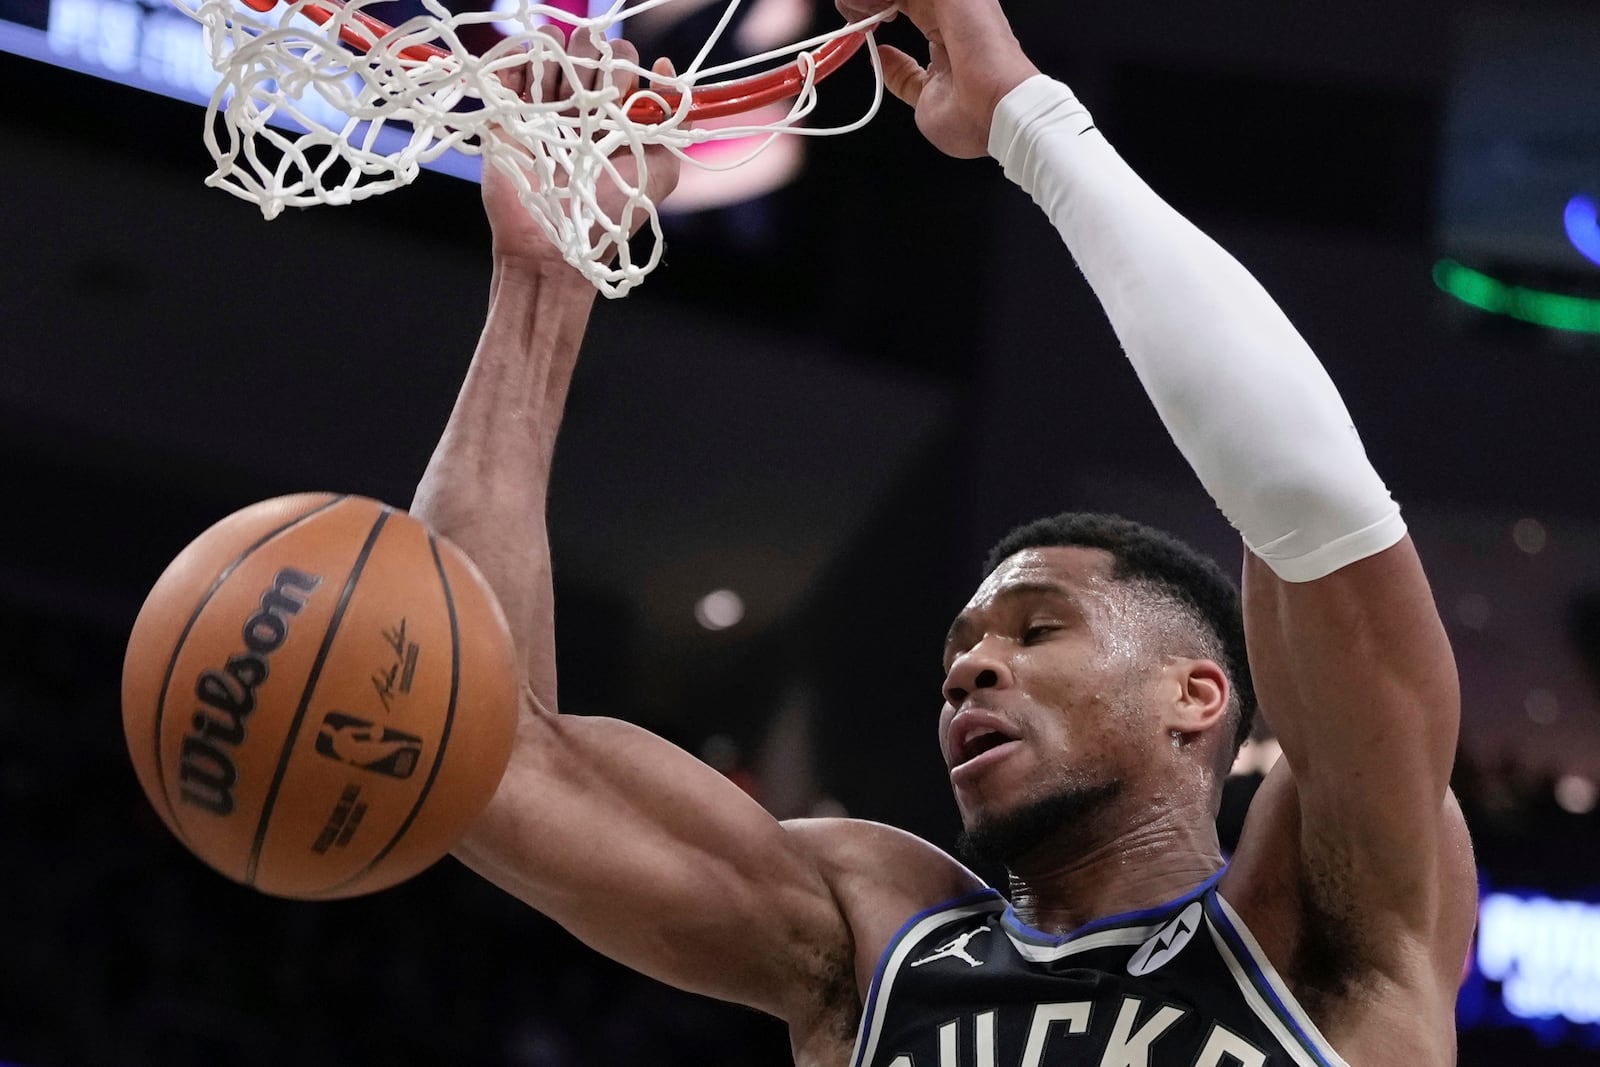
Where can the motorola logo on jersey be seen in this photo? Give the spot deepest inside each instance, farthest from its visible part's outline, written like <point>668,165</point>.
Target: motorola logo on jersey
<point>1167,942</point>
<point>228,696</point>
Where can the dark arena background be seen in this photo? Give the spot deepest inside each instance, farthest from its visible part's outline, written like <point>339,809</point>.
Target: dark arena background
<point>829,401</point>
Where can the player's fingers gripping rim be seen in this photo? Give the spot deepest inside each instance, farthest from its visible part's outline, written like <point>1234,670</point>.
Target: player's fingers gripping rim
<point>857,10</point>
<point>550,73</point>
<point>515,77</point>
<point>585,55</point>
<point>519,78</point>
<point>625,65</point>
<point>903,76</point>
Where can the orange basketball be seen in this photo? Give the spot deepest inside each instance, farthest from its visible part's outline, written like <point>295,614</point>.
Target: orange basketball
<point>319,695</point>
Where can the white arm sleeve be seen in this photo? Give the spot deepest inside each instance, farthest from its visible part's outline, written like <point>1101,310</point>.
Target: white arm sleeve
<point>1244,398</point>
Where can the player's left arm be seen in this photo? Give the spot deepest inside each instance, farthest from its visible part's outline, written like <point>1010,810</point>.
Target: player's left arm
<point>1350,658</point>
<point>1345,643</point>
<point>1356,675</point>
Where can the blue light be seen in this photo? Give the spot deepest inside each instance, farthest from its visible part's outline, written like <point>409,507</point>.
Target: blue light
<point>1535,966</point>
<point>1544,952</point>
<point>1583,227</point>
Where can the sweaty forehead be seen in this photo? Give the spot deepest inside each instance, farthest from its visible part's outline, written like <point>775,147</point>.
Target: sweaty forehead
<point>1074,568</point>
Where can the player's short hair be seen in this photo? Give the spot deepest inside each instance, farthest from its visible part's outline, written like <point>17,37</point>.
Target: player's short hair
<point>1161,565</point>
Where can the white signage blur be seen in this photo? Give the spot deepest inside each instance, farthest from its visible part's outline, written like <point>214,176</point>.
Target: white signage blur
<point>1545,953</point>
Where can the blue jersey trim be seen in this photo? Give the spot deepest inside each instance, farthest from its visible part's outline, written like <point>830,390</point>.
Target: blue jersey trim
<point>1219,919</point>
<point>1022,930</point>
<point>888,950</point>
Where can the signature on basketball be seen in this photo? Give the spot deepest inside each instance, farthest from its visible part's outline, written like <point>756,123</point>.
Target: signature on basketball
<point>395,677</point>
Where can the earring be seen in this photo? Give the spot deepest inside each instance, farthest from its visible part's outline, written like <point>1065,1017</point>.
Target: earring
<point>1177,739</point>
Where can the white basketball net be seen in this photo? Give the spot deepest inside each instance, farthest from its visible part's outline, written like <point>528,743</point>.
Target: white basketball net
<point>364,123</point>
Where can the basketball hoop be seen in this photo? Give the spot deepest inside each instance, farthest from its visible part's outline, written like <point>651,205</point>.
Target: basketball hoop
<point>372,103</point>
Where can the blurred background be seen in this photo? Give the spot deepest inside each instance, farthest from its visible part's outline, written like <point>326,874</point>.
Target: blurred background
<point>783,459</point>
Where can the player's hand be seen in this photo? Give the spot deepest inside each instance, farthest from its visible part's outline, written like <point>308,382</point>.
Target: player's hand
<point>516,234</point>
<point>974,60</point>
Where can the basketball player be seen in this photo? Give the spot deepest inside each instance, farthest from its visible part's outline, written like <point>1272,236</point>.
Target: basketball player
<point>1096,685</point>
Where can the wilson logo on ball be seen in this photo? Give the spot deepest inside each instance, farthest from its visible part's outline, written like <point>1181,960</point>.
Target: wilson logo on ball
<point>227,697</point>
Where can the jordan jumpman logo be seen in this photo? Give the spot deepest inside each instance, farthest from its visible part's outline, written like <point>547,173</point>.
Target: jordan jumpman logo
<point>957,949</point>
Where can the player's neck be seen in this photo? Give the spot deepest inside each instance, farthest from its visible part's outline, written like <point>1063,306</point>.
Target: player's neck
<point>1144,866</point>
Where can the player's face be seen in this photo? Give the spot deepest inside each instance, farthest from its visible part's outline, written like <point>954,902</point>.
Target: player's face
<point>1046,685</point>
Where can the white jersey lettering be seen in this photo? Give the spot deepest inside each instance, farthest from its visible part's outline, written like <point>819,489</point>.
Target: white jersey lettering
<point>983,1034</point>
<point>1133,1049</point>
<point>1074,1014</point>
<point>1127,1047</point>
<point>947,1043</point>
<point>1223,1043</point>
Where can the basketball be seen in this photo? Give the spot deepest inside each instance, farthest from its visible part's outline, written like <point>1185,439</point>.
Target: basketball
<point>319,695</point>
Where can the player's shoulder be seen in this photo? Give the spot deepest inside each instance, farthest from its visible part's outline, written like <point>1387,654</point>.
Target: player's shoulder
<point>848,850</point>
<point>881,876</point>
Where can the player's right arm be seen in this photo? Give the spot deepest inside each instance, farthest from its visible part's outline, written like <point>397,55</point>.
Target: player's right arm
<point>653,858</point>
<point>638,849</point>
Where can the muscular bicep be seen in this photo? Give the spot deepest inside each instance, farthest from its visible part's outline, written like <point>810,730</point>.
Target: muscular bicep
<point>1356,677</point>
<point>651,857</point>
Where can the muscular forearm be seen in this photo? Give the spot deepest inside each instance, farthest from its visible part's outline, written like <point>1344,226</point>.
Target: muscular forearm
<point>1238,388</point>
<point>486,485</point>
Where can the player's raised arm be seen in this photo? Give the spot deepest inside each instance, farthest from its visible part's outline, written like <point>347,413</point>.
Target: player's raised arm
<point>487,482</point>
<point>1350,659</point>
<point>611,831</point>
<point>640,850</point>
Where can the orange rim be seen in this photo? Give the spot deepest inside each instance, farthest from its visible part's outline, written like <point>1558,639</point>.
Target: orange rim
<point>710,101</point>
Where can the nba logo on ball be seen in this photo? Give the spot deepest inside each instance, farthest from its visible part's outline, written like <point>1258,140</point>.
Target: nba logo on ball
<point>369,746</point>
<point>251,653</point>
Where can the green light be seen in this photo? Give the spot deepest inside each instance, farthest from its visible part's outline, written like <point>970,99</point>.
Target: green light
<point>1554,311</point>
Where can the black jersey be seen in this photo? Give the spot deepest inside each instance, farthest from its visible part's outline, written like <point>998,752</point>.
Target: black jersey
<point>967,984</point>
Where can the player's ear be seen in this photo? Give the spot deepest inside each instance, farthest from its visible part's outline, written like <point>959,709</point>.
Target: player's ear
<point>1196,695</point>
